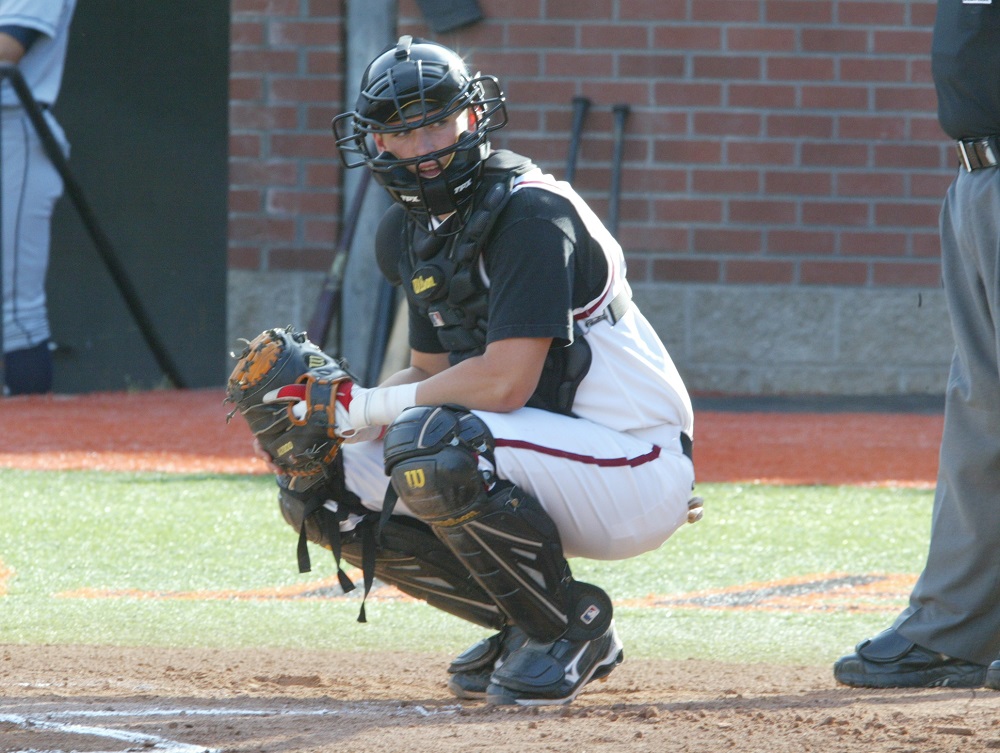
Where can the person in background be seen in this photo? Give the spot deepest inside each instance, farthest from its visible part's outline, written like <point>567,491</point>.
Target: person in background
<point>33,36</point>
<point>949,635</point>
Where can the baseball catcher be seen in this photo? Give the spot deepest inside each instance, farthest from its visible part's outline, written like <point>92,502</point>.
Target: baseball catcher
<point>540,418</point>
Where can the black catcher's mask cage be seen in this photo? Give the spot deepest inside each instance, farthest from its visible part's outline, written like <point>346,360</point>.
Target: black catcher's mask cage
<point>411,85</point>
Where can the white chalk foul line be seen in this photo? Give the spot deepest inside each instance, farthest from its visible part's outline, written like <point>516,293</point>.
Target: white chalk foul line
<point>153,741</point>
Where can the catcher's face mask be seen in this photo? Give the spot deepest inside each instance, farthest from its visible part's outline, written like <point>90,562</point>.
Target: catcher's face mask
<point>418,84</point>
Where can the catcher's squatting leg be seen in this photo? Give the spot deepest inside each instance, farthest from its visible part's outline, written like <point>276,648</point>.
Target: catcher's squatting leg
<point>508,542</point>
<point>407,555</point>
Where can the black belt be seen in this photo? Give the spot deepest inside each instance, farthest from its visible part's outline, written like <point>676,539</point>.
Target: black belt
<point>975,154</point>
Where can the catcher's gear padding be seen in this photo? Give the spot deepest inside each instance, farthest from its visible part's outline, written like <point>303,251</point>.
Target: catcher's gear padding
<point>286,389</point>
<point>409,556</point>
<point>502,535</point>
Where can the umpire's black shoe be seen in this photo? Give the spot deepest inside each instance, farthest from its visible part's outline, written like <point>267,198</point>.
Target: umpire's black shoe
<point>993,676</point>
<point>471,670</point>
<point>891,661</point>
<point>541,674</point>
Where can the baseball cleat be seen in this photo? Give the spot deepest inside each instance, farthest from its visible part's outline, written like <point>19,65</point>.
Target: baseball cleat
<point>993,676</point>
<point>546,674</point>
<point>891,661</point>
<point>471,670</point>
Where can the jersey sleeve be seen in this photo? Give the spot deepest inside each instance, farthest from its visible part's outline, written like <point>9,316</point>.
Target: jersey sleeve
<point>530,266</point>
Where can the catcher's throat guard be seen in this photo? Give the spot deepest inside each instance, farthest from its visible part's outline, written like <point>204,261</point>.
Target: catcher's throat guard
<point>285,388</point>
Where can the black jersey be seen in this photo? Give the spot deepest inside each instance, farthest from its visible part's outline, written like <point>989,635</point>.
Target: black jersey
<point>965,57</point>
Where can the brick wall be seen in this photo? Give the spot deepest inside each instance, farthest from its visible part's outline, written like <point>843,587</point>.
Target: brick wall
<point>784,142</point>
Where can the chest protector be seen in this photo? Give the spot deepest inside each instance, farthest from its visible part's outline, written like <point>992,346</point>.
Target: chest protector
<point>442,280</point>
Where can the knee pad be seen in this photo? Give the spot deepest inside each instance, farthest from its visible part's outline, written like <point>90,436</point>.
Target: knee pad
<point>501,535</point>
<point>432,459</point>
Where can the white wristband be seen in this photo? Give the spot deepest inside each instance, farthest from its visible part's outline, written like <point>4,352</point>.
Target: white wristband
<point>380,406</point>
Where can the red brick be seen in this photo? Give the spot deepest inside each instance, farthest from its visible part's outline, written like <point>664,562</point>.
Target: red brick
<point>725,11</point>
<point>873,244</point>
<point>652,10</point>
<point>509,9</point>
<point>268,173</point>
<point>873,127</point>
<point>833,154</point>
<point>246,88</point>
<point>910,214</point>
<point>798,11</point>
<point>243,117</point>
<point>765,96</point>
<point>320,232</point>
<point>735,67</point>
<point>685,270</point>
<point>687,37</point>
<point>301,202</point>
<point>762,212</point>
<point>245,201</point>
<point>263,61</point>
<point>833,273</point>
<point>244,145</point>
<point>303,145</point>
<point>799,126</point>
<point>687,210</point>
<point>907,274</point>
<point>760,153</point>
<point>801,242</point>
<point>243,257</point>
<point>922,13</point>
<point>930,185</point>
<point>798,183</point>
<point>302,89</point>
<point>308,33</point>
<point>798,68</point>
<point>902,42</point>
<point>687,151</point>
<point>907,156</point>
<point>871,14</point>
<point>239,8</point>
<point>872,69</point>
<point>652,65</point>
<point>870,184</point>
<point>579,9</point>
<point>834,40</point>
<point>725,181</point>
<point>909,98</point>
<point>761,39</point>
<point>584,64</point>
<point>614,37</point>
<point>685,94</point>
<point>834,213</point>
<point>543,36</point>
<point>724,123</point>
<point>261,229</point>
<point>926,245</point>
<point>245,34</point>
<point>835,97</point>
<point>728,241</point>
<point>758,272</point>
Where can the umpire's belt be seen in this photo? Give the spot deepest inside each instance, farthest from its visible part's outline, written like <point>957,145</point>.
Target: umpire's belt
<point>975,154</point>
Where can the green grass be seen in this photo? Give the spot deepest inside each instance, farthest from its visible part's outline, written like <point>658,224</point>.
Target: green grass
<point>60,532</point>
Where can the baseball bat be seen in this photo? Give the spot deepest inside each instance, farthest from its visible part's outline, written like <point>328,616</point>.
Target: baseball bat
<point>385,312</point>
<point>580,107</point>
<point>328,300</point>
<point>620,113</point>
<point>102,242</point>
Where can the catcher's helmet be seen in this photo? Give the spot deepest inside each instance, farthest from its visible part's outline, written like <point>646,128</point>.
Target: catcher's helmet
<point>409,85</point>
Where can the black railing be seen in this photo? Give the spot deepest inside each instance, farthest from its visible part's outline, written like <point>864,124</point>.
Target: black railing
<point>101,241</point>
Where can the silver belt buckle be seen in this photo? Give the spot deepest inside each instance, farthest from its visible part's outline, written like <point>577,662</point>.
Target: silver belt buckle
<point>964,154</point>
<point>988,151</point>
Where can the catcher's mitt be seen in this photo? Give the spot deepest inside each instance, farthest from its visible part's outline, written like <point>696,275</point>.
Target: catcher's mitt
<point>286,389</point>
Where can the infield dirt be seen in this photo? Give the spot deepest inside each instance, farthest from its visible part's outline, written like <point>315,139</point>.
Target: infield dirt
<point>90,698</point>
